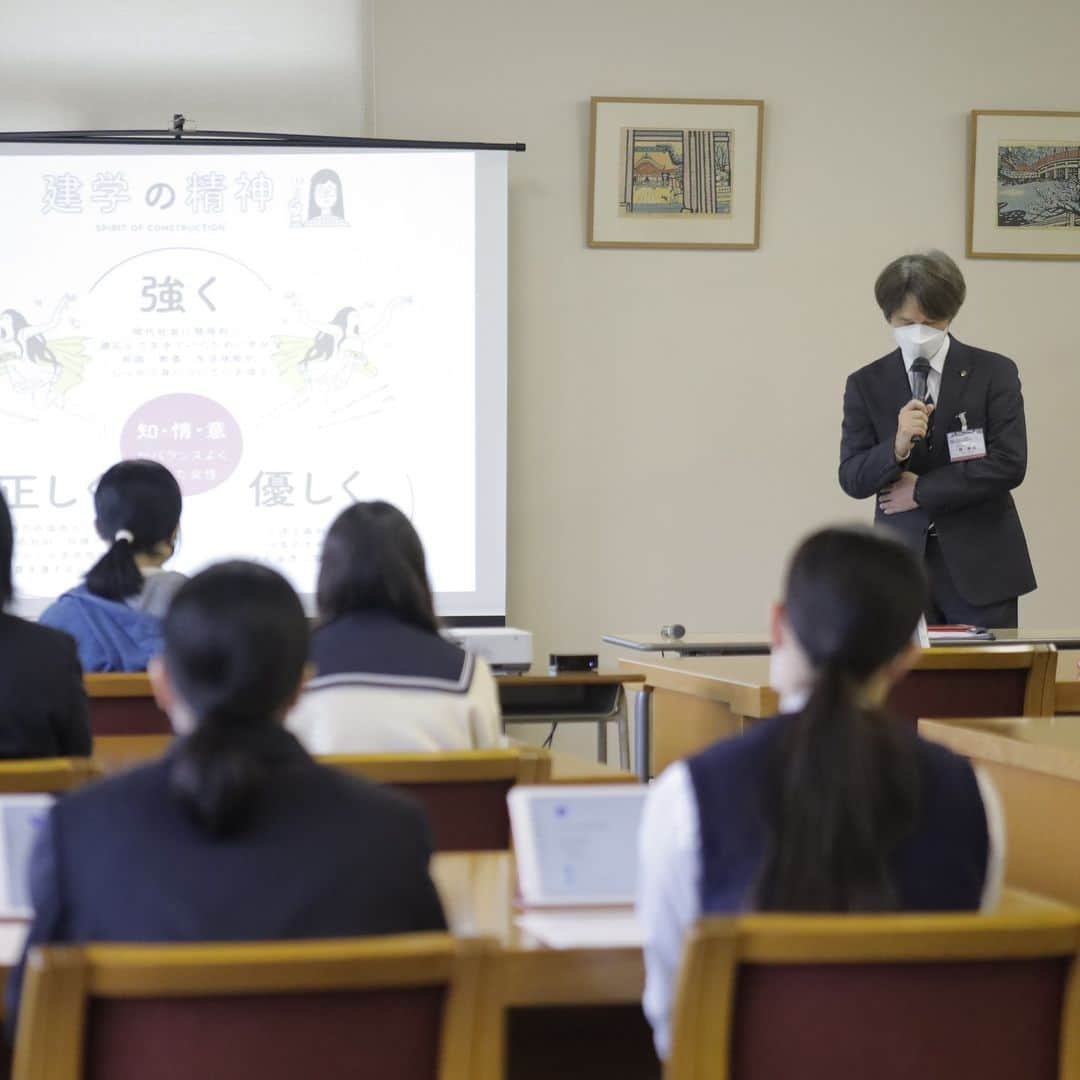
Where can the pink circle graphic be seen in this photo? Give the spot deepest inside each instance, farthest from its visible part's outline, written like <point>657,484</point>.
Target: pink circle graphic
<point>196,438</point>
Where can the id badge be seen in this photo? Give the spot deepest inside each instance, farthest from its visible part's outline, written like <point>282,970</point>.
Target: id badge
<point>967,445</point>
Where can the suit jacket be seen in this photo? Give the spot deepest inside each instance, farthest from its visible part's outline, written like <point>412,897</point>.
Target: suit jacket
<point>323,855</point>
<point>969,502</point>
<point>43,710</point>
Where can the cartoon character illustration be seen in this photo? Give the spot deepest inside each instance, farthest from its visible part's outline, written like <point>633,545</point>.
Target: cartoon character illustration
<point>43,369</point>
<point>323,370</point>
<point>326,203</point>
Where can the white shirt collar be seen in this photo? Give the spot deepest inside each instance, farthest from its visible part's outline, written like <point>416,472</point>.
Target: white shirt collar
<point>937,361</point>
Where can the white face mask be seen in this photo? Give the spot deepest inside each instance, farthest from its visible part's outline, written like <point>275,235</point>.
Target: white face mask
<point>918,340</point>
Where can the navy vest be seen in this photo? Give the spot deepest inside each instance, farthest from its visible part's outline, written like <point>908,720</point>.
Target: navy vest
<point>940,866</point>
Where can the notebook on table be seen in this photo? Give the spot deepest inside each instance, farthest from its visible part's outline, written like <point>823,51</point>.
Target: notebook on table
<point>21,818</point>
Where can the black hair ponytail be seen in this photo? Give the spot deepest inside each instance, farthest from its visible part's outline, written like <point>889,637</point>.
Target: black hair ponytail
<point>845,788</point>
<point>116,575</point>
<point>137,504</point>
<point>236,641</point>
<point>217,774</point>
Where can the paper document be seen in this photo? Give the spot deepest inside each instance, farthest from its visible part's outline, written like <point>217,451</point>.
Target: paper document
<point>602,928</point>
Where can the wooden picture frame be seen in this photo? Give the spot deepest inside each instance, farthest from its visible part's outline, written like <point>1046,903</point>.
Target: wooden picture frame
<point>1023,185</point>
<point>675,173</point>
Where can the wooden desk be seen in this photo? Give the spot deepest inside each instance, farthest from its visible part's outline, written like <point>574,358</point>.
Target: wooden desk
<point>123,704</point>
<point>743,644</point>
<point>687,703</point>
<point>573,698</point>
<point>115,753</point>
<point>1035,763</point>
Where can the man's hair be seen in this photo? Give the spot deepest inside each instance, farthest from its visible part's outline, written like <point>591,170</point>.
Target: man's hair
<point>932,278</point>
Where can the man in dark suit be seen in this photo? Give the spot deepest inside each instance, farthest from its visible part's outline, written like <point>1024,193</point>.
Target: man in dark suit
<point>935,430</point>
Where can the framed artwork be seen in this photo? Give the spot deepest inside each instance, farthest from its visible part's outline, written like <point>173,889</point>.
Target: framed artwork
<point>1024,185</point>
<point>675,173</point>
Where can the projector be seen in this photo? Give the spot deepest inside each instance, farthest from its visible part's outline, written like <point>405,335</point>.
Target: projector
<point>508,650</point>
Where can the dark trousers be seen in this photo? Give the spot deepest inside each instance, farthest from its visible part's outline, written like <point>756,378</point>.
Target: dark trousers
<point>948,607</point>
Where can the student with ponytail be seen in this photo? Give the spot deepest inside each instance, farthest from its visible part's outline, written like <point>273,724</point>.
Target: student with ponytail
<point>115,616</point>
<point>236,834</point>
<point>831,806</point>
<point>386,679</point>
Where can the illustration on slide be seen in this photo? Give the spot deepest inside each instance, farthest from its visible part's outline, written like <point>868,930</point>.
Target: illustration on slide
<point>325,367</point>
<point>39,368</point>
<point>326,203</point>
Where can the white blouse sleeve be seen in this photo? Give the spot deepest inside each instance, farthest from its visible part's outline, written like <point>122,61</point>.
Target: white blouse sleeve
<point>995,829</point>
<point>485,714</point>
<point>668,902</point>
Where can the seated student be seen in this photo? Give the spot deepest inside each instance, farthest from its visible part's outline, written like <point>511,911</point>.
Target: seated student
<point>115,617</point>
<point>43,709</point>
<point>830,806</point>
<point>235,834</point>
<point>386,679</point>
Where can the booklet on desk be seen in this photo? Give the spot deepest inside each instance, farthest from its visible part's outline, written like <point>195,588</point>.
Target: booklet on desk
<point>958,634</point>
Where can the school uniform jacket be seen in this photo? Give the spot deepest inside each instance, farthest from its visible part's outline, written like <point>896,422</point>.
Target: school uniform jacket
<point>968,502</point>
<point>43,709</point>
<point>323,855</point>
<point>383,685</point>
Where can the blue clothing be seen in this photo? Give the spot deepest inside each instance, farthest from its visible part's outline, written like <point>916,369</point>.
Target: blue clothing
<point>940,866</point>
<point>110,635</point>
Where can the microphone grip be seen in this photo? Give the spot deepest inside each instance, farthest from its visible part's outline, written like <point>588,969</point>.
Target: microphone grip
<point>918,388</point>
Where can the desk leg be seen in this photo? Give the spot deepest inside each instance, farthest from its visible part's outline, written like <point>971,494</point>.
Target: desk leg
<point>622,726</point>
<point>643,731</point>
<point>601,740</point>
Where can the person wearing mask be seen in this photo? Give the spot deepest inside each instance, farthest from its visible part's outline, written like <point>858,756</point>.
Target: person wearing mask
<point>236,834</point>
<point>830,806</point>
<point>115,615</point>
<point>935,432</point>
<point>386,679</point>
<point>43,709</point>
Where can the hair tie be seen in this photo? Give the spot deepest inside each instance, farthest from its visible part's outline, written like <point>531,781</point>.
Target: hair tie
<point>123,534</point>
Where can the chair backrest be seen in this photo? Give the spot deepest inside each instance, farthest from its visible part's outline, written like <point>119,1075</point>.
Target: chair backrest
<point>399,1008</point>
<point>965,681</point>
<point>888,996</point>
<point>464,792</point>
<point>123,704</point>
<point>46,776</point>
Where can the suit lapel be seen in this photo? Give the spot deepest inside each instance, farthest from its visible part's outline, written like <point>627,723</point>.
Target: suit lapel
<point>955,379</point>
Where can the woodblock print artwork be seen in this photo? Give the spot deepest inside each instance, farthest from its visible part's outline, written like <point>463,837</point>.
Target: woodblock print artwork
<point>673,172</point>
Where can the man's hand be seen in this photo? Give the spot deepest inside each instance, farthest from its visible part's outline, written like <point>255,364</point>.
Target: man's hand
<point>913,420</point>
<point>899,497</point>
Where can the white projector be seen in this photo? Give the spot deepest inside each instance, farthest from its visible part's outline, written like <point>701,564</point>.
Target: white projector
<point>508,650</point>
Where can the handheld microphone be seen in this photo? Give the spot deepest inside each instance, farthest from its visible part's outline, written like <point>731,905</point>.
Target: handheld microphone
<point>920,372</point>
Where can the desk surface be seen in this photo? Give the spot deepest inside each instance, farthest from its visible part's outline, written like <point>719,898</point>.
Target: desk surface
<point>478,892</point>
<point>1045,744</point>
<point>757,644</point>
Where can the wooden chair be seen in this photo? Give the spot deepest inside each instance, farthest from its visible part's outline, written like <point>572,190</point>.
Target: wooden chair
<point>123,704</point>
<point>399,1008</point>
<point>464,792</point>
<point>46,776</point>
<point>966,681</point>
<point>890,997</point>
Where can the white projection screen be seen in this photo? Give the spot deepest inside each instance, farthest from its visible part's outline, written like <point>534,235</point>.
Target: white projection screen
<point>287,329</point>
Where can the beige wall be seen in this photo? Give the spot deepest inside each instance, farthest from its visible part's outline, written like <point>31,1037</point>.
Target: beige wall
<point>674,416</point>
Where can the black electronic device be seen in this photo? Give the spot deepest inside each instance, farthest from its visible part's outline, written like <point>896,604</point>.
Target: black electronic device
<point>572,663</point>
